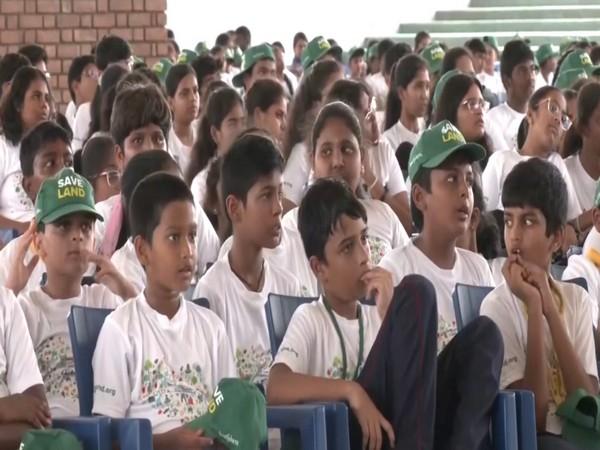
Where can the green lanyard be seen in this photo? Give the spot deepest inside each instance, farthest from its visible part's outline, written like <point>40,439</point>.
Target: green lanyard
<point>361,341</point>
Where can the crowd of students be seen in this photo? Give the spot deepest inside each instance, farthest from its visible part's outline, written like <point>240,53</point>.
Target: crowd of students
<point>373,180</point>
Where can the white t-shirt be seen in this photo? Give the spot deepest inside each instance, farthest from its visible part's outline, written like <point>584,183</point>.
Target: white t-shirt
<point>379,88</point>
<point>540,81</point>
<point>583,184</point>
<point>70,113</point>
<point>125,259</point>
<point>198,187</point>
<point>386,167</point>
<point>243,312</point>
<point>496,266</point>
<point>47,322</point>
<point>581,267</point>
<point>180,152</point>
<point>493,83</point>
<point>81,128</point>
<point>398,134</point>
<point>501,164</point>
<point>147,366</point>
<point>14,202</point>
<point>296,173</point>
<point>311,345</point>
<point>104,208</point>
<point>469,268</point>
<point>502,125</point>
<point>509,313</point>
<point>18,366</point>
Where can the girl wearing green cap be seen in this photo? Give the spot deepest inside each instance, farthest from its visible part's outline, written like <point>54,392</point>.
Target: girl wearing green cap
<point>407,101</point>
<point>222,121</point>
<point>182,93</point>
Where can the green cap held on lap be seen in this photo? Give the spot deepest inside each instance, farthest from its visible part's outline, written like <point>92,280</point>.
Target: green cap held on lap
<point>236,417</point>
<point>51,439</point>
<point>437,144</point>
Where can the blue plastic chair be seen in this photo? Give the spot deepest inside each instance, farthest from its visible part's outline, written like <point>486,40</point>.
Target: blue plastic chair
<point>92,432</point>
<point>467,304</point>
<point>136,434</point>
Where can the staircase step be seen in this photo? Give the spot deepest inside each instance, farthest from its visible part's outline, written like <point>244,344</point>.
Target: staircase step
<point>492,26</point>
<point>525,12</point>
<point>544,3</point>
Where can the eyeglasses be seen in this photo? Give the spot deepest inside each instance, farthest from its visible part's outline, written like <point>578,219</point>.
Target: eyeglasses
<point>556,111</point>
<point>92,73</point>
<point>113,177</point>
<point>476,104</point>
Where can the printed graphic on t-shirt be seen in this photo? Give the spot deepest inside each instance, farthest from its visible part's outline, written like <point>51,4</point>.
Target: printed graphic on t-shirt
<point>253,363</point>
<point>446,331</point>
<point>3,386</point>
<point>16,181</point>
<point>379,248</point>
<point>179,393</point>
<point>55,359</point>
<point>335,371</point>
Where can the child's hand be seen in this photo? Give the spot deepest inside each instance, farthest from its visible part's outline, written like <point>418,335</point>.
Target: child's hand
<point>184,438</point>
<point>370,419</point>
<point>19,272</point>
<point>380,287</point>
<point>108,275</point>
<point>516,278</point>
<point>539,278</point>
<point>25,408</point>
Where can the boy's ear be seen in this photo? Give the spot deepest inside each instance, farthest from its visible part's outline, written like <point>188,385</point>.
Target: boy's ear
<point>233,208</point>
<point>27,185</point>
<point>120,157</point>
<point>316,266</point>
<point>557,240</point>
<point>418,197</point>
<point>141,250</point>
<point>38,245</point>
<point>475,219</point>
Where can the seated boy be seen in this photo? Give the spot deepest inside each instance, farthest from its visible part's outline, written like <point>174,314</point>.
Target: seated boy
<point>44,152</point>
<point>158,356</point>
<point>238,284</point>
<point>587,264</point>
<point>64,241</point>
<point>23,404</point>
<point>546,324</point>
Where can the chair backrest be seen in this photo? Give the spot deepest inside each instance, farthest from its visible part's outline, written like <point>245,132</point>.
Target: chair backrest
<point>467,301</point>
<point>279,310</point>
<point>581,282</point>
<point>84,328</point>
<point>202,302</point>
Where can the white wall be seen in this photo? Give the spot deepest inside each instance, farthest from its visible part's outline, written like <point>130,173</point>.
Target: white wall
<point>270,20</point>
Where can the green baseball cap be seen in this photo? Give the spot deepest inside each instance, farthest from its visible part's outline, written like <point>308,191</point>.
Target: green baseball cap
<point>161,68</point>
<point>434,55</point>
<point>201,48</point>
<point>578,59</point>
<point>545,52</point>
<point>65,193</point>
<point>236,417</point>
<point>439,87</point>
<point>437,144</point>
<point>580,414</point>
<point>491,41</point>
<point>186,57</point>
<point>251,56</point>
<point>354,53</point>
<point>567,78</point>
<point>50,439</point>
<point>138,60</point>
<point>315,50</point>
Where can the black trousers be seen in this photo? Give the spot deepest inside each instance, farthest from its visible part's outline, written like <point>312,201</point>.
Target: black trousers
<point>431,402</point>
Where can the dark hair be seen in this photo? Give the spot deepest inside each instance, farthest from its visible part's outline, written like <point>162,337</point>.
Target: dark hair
<point>33,141</point>
<point>349,92</point>
<point>177,73</point>
<point>243,31</point>
<point>149,74</point>
<point>383,46</point>
<point>215,86</point>
<point>137,107</point>
<point>175,45</point>
<point>10,115</point>
<point>299,36</point>
<point>204,66</point>
<point>321,210</point>
<point>96,154</point>
<point>220,103</point>
<point>9,64</point>
<point>515,52</point>
<point>263,94</point>
<point>335,110</point>
<point>404,72</point>
<point>489,242</point>
<point>534,101</point>
<point>223,40</point>
<point>421,35</point>
<point>595,55</point>
<point>150,198</point>
<point>250,158</point>
<point>538,184</point>
<point>393,55</point>
<point>452,56</point>
<point>170,34</point>
<point>111,49</point>
<point>78,64</point>
<point>35,53</point>
<point>279,45</point>
<point>104,96</point>
<point>308,95</point>
<point>475,45</point>
<point>588,101</point>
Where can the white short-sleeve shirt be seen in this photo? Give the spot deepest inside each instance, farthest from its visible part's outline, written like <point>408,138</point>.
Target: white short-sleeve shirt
<point>502,126</point>
<point>14,202</point>
<point>398,134</point>
<point>583,185</point>
<point>296,173</point>
<point>508,312</point>
<point>165,370</point>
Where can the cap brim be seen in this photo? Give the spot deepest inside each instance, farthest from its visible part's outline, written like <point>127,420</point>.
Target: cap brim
<point>238,80</point>
<point>205,423</point>
<point>594,71</point>
<point>70,209</point>
<point>475,152</point>
<point>357,53</point>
